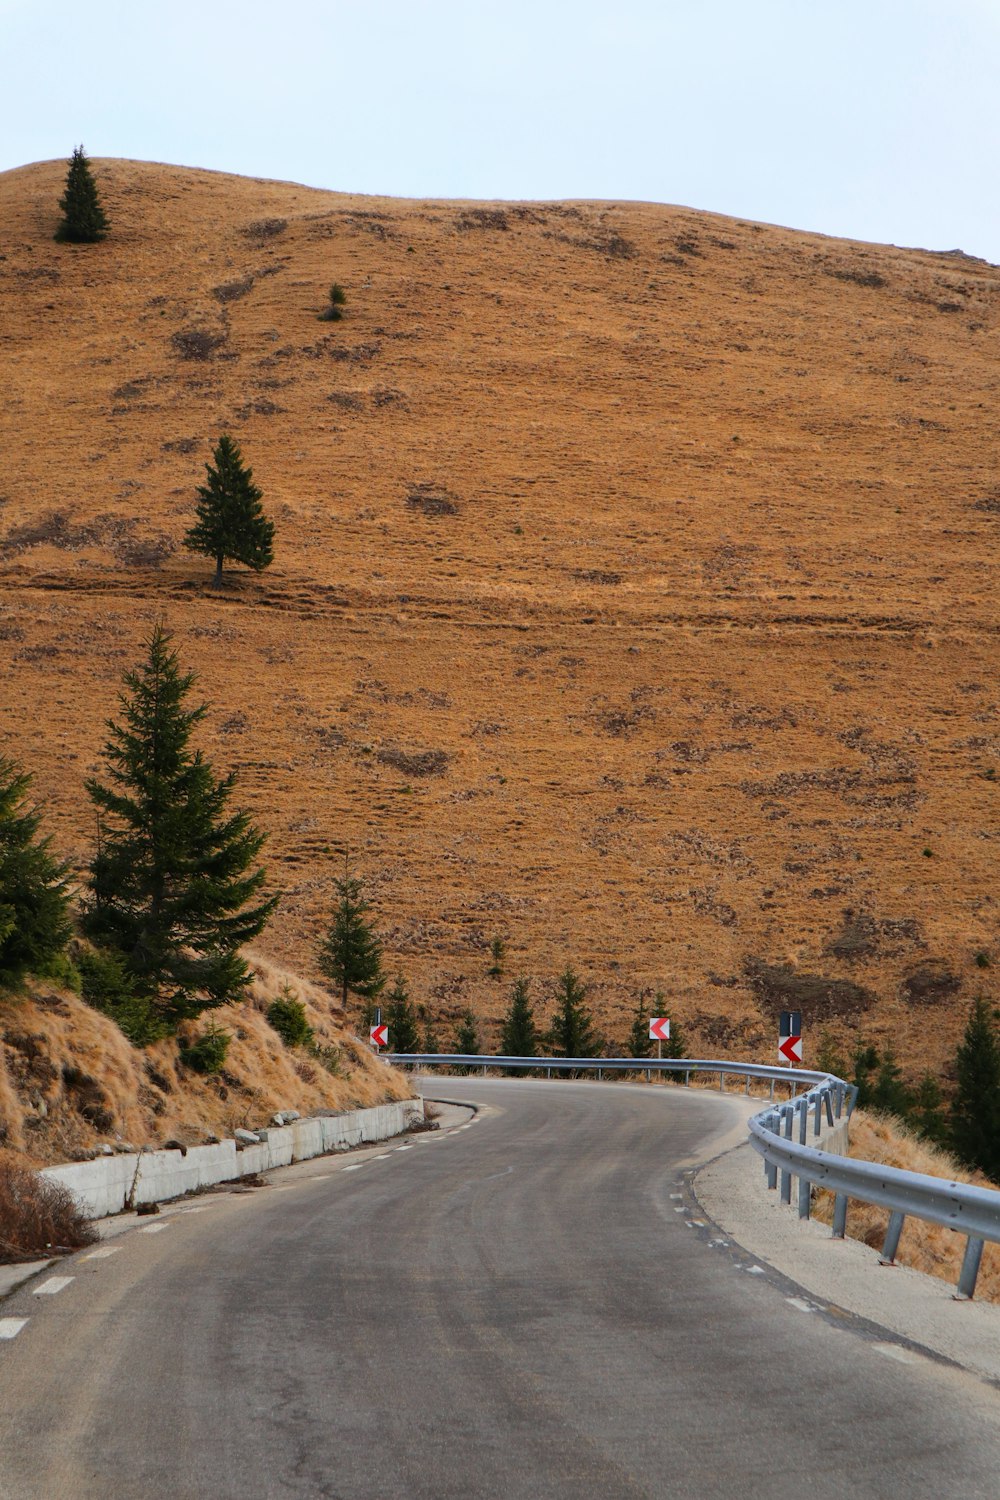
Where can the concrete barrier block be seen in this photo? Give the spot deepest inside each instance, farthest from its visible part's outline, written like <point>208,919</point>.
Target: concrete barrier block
<point>307,1139</point>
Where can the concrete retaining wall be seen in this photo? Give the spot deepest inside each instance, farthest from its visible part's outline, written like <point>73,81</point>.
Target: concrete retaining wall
<point>113,1183</point>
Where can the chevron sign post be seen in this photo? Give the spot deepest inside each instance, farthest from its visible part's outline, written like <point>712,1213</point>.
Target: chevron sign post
<point>659,1032</point>
<point>379,1035</point>
<point>790,1038</point>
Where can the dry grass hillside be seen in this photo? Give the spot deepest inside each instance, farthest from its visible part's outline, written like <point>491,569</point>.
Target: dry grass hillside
<point>634,595</point>
<point>70,1081</point>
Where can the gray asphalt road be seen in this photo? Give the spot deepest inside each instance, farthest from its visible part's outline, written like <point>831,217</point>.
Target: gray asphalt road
<point>517,1309</point>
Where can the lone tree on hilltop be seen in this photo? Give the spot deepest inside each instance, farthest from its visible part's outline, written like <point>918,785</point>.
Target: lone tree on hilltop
<point>173,885</point>
<point>975,1110</point>
<point>34,893</point>
<point>231,521</point>
<point>572,1032</point>
<point>400,1015</point>
<point>84,220</point>
<point>351,953</point>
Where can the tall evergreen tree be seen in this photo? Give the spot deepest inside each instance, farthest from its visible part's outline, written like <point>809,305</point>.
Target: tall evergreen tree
<point>401,1017</point>
<point>572,1033</point>
<point>34,895</point>
<point>467,1036</point>
<point>890,1092</point>
<point>173,888</point>
<point>975,1110</point>
<point>84,220</point>
<point>429,1041</point>
<point>927,1113</point>
<point>519,1036</point>
<point>640,1043</point>
<point>231,521</point>
<point>351,953</point>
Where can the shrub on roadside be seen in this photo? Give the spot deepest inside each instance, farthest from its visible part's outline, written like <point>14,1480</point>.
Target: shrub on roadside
<point>207,1053</point>
<point>105,986</point>
<point>288,1017</point>
<point>37,1217</point>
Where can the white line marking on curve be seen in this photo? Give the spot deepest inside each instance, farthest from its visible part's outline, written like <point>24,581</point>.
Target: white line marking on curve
<point>800,1303</point>
<point>11,1327</point>
<point>893,1351</point>
<point>383,1156</point>
<point>404,1148</point>
<point>356,1168</point>
<point>755,1270</point>
<point>154,1228</point>
<point>103,1253</point>
<point>52,1285</point>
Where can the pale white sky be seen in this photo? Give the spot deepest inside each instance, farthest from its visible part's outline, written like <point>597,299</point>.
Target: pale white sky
<point>876,119</point>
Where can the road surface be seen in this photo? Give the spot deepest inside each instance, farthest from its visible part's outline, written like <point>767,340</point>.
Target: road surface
<point>523,1308</point>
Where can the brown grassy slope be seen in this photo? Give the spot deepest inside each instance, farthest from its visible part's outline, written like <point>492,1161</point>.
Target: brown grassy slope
<point>930,1248</point>
<point>633,599</point>
<point>69,1080</point>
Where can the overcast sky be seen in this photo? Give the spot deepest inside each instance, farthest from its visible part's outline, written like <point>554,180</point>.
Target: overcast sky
<point>875,119</point>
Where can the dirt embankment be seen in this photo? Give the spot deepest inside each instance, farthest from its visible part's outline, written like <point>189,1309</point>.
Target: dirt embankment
<point>70,1081</point>
<point>634,595</point>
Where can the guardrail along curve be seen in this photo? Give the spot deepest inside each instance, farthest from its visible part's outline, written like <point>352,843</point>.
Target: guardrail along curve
<point>781,1132</point>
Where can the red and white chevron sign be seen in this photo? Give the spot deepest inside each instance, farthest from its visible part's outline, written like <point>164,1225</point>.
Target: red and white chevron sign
<point>379,1035</point>
<point>790,1048</point>
<point>659,1028</point>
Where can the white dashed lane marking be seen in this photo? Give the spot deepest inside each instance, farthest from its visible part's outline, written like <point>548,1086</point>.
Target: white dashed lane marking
<point>103,1253</point>
<point>53,1285</point>
<point>356,1168</point>
<point>11,1327</point>
<point>800,1303</point>
<point>404,1148</point>
<point>154,1228</point>
<point>384,1156</point>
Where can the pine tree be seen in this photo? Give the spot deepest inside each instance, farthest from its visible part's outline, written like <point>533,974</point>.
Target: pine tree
<point>890,1092</point>
<point>351,953</point>
<point>865,1060</point>
<point>231,521</point>
<point>927,1111</point>
<point>498,954</point>
<point>172,886</point>
<point>640,1043</point>
<point>975,1110</point>
<point>467,1037</point>
<point>84,220</point>
<point>519,1037</point>
<point>572,1033</point>
<point>34,895</point>
<point>429,1041</point>
<point>401,1017</point>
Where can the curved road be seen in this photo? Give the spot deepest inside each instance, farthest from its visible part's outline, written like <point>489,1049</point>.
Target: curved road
<point>513,1309</point>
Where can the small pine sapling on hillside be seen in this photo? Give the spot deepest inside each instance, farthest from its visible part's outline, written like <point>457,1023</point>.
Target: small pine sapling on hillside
<point>231,521</point>
<point>334,310</point>
<point>84,220</point>
<point>640,1043</point>
<point>975,1110</point>
<point>498,955</point>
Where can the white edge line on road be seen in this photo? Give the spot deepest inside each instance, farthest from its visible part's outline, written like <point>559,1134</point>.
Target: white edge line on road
<point>103,1253</point>
<point>356,1168</point>
<point>52,1285</point>
<point>893,1351</point>
<point>154,1228</point>
<point>800,1303</point>
<point>383,1156</point>
<point>11,1327</point>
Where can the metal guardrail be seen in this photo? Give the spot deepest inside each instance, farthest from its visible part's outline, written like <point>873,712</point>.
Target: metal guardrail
<point>972,1211</point>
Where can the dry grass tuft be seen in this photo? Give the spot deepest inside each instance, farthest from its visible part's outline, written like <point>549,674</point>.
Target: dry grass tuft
<point>37,1217</point>
<point>930,1248</point>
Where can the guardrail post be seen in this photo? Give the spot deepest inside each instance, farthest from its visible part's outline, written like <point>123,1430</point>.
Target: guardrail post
<point>786,1177</point>
<point>819,1114</point>
<point>970,1269</point>
<point>803,1121</point>
<point>649,1075</point>
<point>747,1089</point>
<point>888,1256</point>
<point>722,1083</point>
<point>805,1197</point>
<point>687,1078</point>
<point>829,1108</point>
<point>839,1216</point>
<point>771,1173</point>
<point>770,1094</point>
